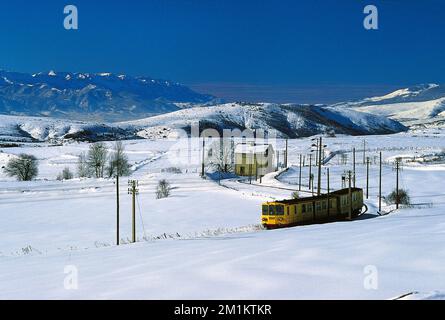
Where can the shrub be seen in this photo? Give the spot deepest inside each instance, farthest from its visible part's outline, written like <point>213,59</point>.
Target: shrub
<point>163,189</point>
<point>24,167</point>
<point>404,197</point>
<point>66,174</point>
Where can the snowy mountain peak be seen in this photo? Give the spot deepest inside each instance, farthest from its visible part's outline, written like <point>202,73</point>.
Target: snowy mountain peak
<point>86,96</point>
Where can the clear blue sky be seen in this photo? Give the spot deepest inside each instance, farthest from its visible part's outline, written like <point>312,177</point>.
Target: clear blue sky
<point>287,49</point>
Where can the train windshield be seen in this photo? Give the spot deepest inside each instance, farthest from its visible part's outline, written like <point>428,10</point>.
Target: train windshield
<point>265,210</point>
<point>274,210</point>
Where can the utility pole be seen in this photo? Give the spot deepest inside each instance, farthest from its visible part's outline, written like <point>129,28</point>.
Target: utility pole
<point>320,146</point>
<point>398,163</point>
<point>133,190</point>
<point>312,183</point>
<point>117,210</point>
<point>367,178</point>
<point>299,177</point>
<point>353,164</point>
<point>350,195</point>
<point>329,190</point>
<point>364,151</point>
<point>203,156</point>
<point>310,170</point>
<point>256,169</point>
<point>380,183</point>
<point>278,160</point>
<point>286,155</point>
<point>316,152</point>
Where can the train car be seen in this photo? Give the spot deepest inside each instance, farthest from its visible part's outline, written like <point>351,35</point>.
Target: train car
<point>337,205</point>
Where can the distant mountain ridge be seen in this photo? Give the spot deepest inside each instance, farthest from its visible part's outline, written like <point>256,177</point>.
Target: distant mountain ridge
<point>88,96</point>
<point>287,121</point>
<point>414,105</point>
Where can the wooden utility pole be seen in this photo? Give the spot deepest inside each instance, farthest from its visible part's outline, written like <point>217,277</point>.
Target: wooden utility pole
<point>310,170</point>
<point>312,183</point>
<point>350,195</point>
<point>256,170</point>
<point>353,164</point>
<point>364,151</point>
<point>299,177</point>
<point>203,156</point>
<point>278,160</point>
<point>250,172</point>
<point>367,178</point>
<point>329,189</point>
<point>286,155</point>
<point>320,146</point>
<point>117,211</point>
<point>397,168</point>
<point>380,183</point>
<point>133,190</point>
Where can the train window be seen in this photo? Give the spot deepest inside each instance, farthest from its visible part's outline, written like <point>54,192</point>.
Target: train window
<point>265,210</point>
<point>271,210</point>
<point>303,208</point>
<point>309,207</point>
<point>324,206</point>
<point>279,210</point>
<point>317,206</point>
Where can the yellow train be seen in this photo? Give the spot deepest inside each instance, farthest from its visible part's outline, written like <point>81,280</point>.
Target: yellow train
<point>343,205</point>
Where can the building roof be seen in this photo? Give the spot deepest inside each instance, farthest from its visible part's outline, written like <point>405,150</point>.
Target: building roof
<point>249,148</point>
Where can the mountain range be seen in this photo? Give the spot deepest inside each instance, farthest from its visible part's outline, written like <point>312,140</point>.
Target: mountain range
<point>82,106</point>
<point>85,96</point>
<point>417,105</point>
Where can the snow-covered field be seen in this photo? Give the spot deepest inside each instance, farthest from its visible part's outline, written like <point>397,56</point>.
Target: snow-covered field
<point>205,241</point>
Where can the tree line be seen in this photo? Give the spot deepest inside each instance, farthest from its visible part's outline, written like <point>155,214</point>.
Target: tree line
<point>97,162</point>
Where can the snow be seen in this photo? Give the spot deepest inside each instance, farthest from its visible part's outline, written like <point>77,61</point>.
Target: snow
<point>204,241</point>
<point>419,105</point>
<point>408,110</point>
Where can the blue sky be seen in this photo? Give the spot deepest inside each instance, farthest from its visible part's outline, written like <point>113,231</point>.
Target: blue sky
<point>311,51</point>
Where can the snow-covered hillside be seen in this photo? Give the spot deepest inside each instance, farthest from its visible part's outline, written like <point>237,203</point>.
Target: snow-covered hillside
<point>288,120</point>
<point>35,129</point>
<point>85,96</point>
<point>423,103</point>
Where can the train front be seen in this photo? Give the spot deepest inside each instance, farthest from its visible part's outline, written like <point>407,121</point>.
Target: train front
<point>272,215</point>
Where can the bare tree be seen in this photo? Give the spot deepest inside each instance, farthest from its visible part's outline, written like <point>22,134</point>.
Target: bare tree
<point>118,162</point>
<point>66,174</point>
<point>83,169</point>
<point>97,158</point>
<point>24,167</point>
<point>220,156</point>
